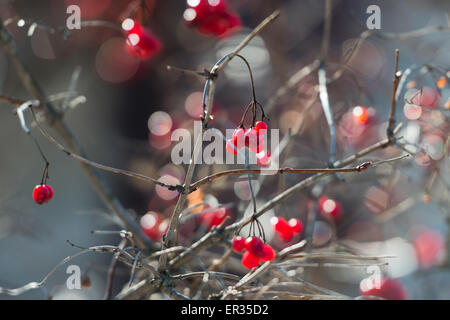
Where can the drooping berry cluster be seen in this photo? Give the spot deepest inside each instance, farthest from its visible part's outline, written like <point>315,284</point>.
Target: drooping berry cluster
<point>329,209</point>
<point>211,17</point>
<point>286,230</point>
<point>42,193</point>
<point>154,225</point>
<point>141,41</point>
<point>255,251</point>
<point>252,138</point>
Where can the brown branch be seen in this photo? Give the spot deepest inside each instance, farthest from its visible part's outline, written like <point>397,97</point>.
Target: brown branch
<point>397,76</point>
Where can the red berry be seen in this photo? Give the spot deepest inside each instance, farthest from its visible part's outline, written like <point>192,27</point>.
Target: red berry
<point>239,138</point>
<point>254,141</point>
<point>329,208</point>
<point>389,289</point>
<point>263,158</point>
<point>144,44</point>
<point>255,246</point>
<point>238,244</point>
<point>360,115</point>
<point>213,217</point>
<point>231,147</point>
<point>249,260</point>
<point>42,193</point>
<point>296,225</point>
<point>211,17</point>
<point>261,127</point>
<point>150,223</point>
<point>283,229</point>
<point>268,253</point>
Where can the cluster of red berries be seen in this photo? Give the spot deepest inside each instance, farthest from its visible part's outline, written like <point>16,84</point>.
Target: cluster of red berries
<point>154,225</point>
<point>214,217</point>
<point>141,42</point>
<point>252,138</point>
<point>286,230</point>
<point>211,17</point>
<point>387,288</point>
<point>329,209</point>
<point>42,193</point>
<point>255,251</point>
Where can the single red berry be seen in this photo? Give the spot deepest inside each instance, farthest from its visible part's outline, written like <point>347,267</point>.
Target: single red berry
<point>254,141</point>
<point>263,159</point>
<point>261,127</point>
<point>131,26</point>
<point>239,138</point>
<point>249,260</point>
<point>387,288</point>
<point>282,227</point>
<point>329,208</point>
<point>360,115</point>
<point>296,225</point>
<point>144,44</point>
<point>150,223</point>
<point>255,246</point>
<point>238,244</point>
<point>268,253</point>
<point>42,193</point>
<point>213,217</point>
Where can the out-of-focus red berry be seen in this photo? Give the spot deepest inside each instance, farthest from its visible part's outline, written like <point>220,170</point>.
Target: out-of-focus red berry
<point>213,217</point>
<point>263,158</point>
<point>296,225</point>
<point>360,115</point>
<point>211,17</point>
<point>329,208</point>
<point>238,244</point>
<point>389,289</point>
<point>249,260</point>
<point>282,228</point>
<point>150,223</point>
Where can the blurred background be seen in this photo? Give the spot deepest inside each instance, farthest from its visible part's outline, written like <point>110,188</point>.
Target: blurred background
<point>133,104</point>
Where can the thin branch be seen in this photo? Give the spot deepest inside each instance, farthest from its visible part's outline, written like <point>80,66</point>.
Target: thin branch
<point>397,76</point>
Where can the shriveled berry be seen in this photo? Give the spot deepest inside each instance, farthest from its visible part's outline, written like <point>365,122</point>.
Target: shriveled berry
<point>249,260</point>
<point>255,246</point>
<point>238,244</point>
<point>296,225</point>
<point>268,253</point>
